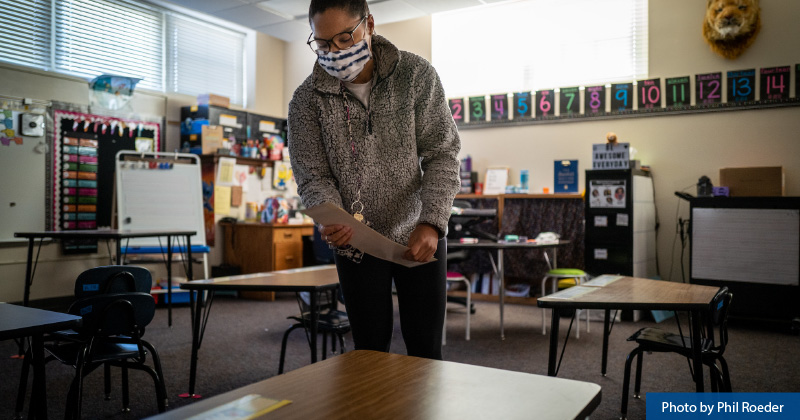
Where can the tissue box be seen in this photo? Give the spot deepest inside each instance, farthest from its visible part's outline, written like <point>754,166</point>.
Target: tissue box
<point>767,181</point>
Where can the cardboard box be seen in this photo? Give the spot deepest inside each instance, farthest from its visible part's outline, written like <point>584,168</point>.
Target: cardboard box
<point>211,139</point>
<point>211,99</point>
<point>765,181</point>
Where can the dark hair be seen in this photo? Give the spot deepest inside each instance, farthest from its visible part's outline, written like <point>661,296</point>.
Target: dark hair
<point>357,8</point>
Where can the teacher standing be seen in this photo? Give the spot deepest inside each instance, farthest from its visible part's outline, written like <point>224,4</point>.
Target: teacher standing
<point>370,131</point>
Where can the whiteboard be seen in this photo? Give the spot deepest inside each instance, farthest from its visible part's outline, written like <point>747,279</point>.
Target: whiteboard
<point>23,192</point>
<point>747,245</point>
<point>156,199</point>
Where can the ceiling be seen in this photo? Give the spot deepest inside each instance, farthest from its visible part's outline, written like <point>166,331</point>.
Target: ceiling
<point>288,19</point>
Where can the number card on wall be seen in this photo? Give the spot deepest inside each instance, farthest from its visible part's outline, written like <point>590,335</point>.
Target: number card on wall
<point>796,85</point>
<point>741,86</point>
<point>477,108</point>
<point>544,103</point>
<point>570,101</point>
<point>499,104</point>
<point>649,93</point>
<point>522,105</point>
<point>621,97</point>
<point>708,88</point>
<point>775,83</point>
<point>677,92</point>
<point>594,99</point>
<point>457,109</point>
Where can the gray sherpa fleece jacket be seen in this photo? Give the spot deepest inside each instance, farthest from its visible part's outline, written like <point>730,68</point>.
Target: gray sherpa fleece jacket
<point>408,163</point>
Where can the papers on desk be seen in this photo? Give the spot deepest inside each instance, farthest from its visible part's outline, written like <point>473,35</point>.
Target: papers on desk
<point>601,281</point>
<point>248,407</point>
<point>364,238</point>
<point>572,292</point>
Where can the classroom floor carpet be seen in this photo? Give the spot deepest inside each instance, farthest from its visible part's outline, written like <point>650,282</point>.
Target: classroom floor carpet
<point>243,337</point>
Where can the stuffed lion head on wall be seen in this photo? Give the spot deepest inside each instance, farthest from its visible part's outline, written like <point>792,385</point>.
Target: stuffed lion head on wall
<point>731,26</point>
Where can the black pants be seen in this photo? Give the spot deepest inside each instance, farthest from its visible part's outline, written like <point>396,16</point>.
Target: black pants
<point>421,298</point>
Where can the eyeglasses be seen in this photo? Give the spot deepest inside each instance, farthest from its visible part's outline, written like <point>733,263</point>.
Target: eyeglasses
<point>341,40</point>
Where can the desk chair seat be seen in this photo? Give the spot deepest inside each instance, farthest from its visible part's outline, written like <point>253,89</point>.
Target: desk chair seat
<point>658,340</point>
<point>332,322</point>
<point>561,278</point>
<point>453,277</point>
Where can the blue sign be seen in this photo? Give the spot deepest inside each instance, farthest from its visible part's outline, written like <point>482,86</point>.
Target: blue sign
<point>565,176</point>
<point>733,405</point>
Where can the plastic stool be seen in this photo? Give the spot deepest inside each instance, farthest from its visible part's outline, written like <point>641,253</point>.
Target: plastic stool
<point>564,277</point>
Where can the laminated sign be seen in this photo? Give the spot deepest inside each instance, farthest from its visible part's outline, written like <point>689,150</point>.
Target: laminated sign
<point>611,156</point>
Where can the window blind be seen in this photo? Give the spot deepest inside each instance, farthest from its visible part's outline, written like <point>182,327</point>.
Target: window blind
<point>204,59</point>
<point>25,33</point>
<point>540,44</point>
<point>116,37</point>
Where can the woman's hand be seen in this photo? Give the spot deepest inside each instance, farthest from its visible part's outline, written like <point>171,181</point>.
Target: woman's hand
<point>336,235</point>
<point>422,243</point>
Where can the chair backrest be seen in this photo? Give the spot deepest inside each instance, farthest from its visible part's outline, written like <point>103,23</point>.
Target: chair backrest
<point>113,279</point>
<point>326,300</point>
<point>112,314</point>
<point>720,307</point>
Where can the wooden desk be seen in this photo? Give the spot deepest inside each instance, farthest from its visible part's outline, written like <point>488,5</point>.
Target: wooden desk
<point>499,270</point>
<point>20,321</point>
<point>633,293</point>
<point>108,234</point>
<point>311,279</point>
<point>372,385</point>
<point>262,247</point>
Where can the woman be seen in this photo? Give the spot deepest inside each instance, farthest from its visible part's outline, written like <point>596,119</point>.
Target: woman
<point>370,131</point>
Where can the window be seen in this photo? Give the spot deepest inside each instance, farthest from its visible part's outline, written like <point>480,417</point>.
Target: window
<point>540,44</point>
<point>25,33</point>
<point>204,59</point>
<point>170,52</point>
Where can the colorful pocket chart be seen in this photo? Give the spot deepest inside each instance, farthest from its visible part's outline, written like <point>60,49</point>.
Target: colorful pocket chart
<point>87,184</point>
<point>88,159</point>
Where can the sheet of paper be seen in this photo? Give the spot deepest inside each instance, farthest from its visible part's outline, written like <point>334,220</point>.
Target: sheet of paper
<point>222,200</point>
<point>248,407</point>
<point>602,280</point>
<point>364,238</point>
<point>572,292</point>
<point>225,171</point>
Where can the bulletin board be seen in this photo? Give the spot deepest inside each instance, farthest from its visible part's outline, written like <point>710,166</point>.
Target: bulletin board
<point>158,191</point>
<point>23,170</point>
<point>84,148</point>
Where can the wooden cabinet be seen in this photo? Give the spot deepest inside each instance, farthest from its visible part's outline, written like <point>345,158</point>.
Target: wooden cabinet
<point>260,247</point>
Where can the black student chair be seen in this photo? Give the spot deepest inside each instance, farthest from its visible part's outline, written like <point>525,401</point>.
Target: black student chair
<point>332,323</point>
<point>116,306</point>
<point>713,343</point>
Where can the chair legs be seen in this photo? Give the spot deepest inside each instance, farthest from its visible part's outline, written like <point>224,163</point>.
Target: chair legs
<point>626,379</point>
<point>333,337</point>
<point>554,288</point>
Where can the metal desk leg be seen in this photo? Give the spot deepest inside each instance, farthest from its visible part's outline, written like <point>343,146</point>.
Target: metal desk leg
<point>38,407</point>
<point>169,280</point>
<point>502,274</point>
<point>606,333</point>
<point>551,359</point>
<point>28,274</point>
<point>696,350</point>
<point>314,323</point>
<point>197,336</point>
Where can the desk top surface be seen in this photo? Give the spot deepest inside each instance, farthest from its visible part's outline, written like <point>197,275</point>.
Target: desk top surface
<point>368,384</point>
<point>484,244</point>
<point>104,233</point>
<point>297,279</point>
<point>635,293</point>
<point>22,321</point>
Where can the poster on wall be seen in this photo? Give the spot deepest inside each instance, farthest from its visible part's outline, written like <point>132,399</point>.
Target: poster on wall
<point>607,194</point>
